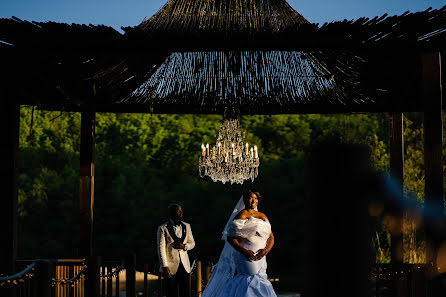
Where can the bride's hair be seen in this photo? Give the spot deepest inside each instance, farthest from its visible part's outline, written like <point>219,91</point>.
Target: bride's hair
<point>248,192</point>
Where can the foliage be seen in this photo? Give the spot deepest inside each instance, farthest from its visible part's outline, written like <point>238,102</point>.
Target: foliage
<point>144,162</point>
<point>414,242</point>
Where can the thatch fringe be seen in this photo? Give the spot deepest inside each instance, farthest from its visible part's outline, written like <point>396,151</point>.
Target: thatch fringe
<point>227,15</point>
<point>213,79</point>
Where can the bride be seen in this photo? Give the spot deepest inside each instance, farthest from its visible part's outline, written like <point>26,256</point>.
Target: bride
<point>241,269</point>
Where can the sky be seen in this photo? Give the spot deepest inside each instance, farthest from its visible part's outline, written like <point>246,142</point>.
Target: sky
<point>120,13</point>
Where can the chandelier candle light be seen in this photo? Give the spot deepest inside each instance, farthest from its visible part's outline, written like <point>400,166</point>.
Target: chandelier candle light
<point>231,159</point>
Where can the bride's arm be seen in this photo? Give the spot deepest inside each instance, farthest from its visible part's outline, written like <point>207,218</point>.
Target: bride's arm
<point>233,241</point>
<point>269,245</point>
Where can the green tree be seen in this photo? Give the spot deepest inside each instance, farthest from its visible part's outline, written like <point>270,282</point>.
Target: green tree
<point>144,162</point>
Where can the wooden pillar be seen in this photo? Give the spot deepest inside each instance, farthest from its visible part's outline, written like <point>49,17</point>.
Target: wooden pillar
<point>342,185</point>
<point>117,286</point>
<point>92,282</point>
<point>86,183</point>
<point>86,202</point>
<point>103,270</point>
<point>433,146</point>
<point>146,285</point>
<point>110,282</point>
<point>397,171</point>
<point>45,275</point>
<point>130,276</point>
<point>199,288</point>
<point>9,119</point>
<point>70,275</point>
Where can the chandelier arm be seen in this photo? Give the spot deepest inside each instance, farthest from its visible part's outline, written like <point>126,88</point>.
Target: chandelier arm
<point>230,159</point>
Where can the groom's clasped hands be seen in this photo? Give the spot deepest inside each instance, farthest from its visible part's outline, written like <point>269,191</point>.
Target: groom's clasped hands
<point>178,245</point>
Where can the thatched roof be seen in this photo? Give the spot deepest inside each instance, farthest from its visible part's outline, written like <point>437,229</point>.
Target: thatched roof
<point>231,16</point>
<point>215,25</point>
<point>217,72</point>
<point>247,82</point>
<point>362,65</point>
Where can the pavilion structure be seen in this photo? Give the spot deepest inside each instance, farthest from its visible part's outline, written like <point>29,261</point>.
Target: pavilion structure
<point>222,57</point>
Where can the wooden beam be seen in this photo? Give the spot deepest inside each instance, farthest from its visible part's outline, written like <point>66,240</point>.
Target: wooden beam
<point>86,183</point>
<point>397,172</point>
<point>9,119</point>
<point>433,146</point>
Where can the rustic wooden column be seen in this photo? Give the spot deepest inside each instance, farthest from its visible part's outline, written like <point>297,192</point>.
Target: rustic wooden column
<point>9,119</point>
<point>130,276</point>
<point>433,146</point>
<point>146,285</point>
<point>86,202</point>
<point>397,173</point>
<point>86,183</point>
<point>199,288</point>
<point>44,276</point>
<point>92,283</point>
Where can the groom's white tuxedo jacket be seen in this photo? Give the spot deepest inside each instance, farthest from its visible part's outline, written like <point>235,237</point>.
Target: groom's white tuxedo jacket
<point>170,257</point>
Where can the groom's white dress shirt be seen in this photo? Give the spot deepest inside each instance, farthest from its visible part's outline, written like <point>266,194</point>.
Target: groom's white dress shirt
<point>169,256</point>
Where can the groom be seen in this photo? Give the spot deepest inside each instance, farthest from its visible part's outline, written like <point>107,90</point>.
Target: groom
<point>174,240</point>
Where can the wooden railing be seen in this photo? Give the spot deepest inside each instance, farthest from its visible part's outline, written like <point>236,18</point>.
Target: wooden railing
<point>68,278</point>
<point>198,279</point>
<point>53,277</point>
<point>110,271</point>
<point>411,279</point>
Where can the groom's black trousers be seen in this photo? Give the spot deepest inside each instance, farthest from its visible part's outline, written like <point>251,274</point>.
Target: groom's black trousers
<point>178,284</point>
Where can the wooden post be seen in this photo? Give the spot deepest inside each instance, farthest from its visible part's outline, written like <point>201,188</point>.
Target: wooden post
<point>86,183</point>
<point>10,120</point>
<point>103,280</point>
<point>146,286</point>
<point>130,273</point>
<point>433,146</point>
<point>45,274</point>
<point>397,171</point>
<point>109,282</point>
<point>92,283</point>
<point>117,285</point>
<point>70,275</point>
<point>199,289</point>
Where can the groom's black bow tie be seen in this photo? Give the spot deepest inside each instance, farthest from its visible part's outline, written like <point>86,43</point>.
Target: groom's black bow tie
<point>176,224</point>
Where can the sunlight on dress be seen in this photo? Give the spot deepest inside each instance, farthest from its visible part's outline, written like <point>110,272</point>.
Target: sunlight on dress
<point>251,279</point>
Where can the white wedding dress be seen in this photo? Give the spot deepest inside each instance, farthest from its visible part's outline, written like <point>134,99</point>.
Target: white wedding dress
<point>234,275</point>
<point>250,279</point>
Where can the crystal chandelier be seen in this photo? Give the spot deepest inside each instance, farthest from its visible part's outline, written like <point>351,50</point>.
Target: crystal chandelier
<point>231,159</point>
